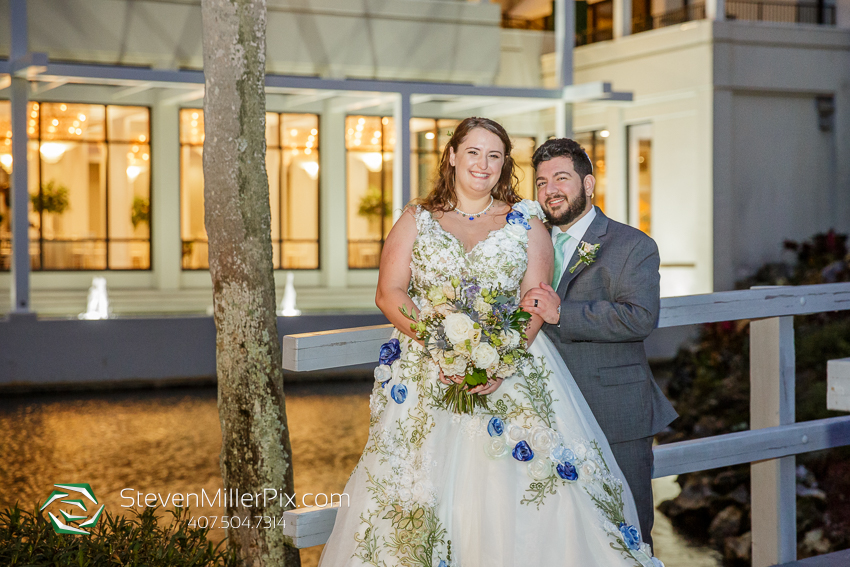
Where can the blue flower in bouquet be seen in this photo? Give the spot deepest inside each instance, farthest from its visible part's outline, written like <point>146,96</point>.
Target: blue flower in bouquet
<point>567,471</point>
<point>390,352</point>
<point>399,393</point>
<point>522,452</point>
<point>516,217</point>
<point>496,427</point>
<point>443,564</point>
<point>630,535</point>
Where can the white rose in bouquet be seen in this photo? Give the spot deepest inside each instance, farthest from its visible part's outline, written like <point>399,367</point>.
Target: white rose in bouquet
<point>449,291</point>
<point>484,356</point>
<point>482,306</point>
<point>506,371</point>
<point>457,327</point>
<point>444,309</point>
<point>457,366</point>
<point>510,338</point>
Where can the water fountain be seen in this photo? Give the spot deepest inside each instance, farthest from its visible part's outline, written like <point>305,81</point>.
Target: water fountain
<point>287,305</point>
<point>98,302</point>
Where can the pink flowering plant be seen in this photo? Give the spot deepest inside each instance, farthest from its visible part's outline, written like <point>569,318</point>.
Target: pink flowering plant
<point>474,332</point>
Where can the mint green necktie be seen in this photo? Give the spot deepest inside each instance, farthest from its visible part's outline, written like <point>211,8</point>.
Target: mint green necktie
<point>560,244</point>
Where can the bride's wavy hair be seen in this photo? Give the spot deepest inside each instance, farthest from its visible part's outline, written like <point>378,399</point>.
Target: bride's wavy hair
<point>443,196</point>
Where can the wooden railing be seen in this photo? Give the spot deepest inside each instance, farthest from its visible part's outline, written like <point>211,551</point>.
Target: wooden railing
<point>770,445</point>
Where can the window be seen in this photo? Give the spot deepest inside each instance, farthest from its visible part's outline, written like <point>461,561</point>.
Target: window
<point>594,145</point>
<point>640,176</point>
<point>89,185</point>
<point>292,163</point>
<point>369,144</point>
<point>428,139</point>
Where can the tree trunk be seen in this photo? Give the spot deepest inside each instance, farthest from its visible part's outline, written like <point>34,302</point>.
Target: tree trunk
<point>255,452</point>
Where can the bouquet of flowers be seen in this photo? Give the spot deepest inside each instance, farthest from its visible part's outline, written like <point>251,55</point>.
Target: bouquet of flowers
<point>474,332</point>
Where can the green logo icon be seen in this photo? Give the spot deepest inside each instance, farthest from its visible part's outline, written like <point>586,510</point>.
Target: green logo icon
<point>78,513</point>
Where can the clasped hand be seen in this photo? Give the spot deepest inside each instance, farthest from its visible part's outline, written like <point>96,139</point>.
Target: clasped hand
<point>544,302</point>
<point>489,387</point>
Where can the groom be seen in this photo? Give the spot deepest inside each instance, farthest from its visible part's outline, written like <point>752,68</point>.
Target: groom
<point>603,302</point>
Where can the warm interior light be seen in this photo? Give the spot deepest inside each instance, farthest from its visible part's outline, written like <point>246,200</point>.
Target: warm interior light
<point>63,107</point>
<point>52,152</point>
<point>6,162</point>
<point>429,136</point>
<point>133,172</point>
<point>604,133</point>
<point>293,132</point>
<point>373,161</point>
<point>314,131</point>
<point>311,167</point>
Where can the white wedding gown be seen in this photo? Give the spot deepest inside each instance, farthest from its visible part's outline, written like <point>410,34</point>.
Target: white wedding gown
<point>436,489</point>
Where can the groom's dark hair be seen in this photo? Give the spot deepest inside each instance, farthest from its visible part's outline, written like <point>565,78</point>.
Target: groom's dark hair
<point>563,147</point>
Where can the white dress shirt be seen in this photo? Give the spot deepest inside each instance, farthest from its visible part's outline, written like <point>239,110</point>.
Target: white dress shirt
<point>576,233</point>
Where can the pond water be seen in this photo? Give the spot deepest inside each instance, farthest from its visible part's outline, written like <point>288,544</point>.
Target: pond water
<point>168,441</point>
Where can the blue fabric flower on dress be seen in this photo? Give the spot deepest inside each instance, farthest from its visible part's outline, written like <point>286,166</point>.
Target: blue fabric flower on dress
<point>390,352</point>
<point>567,471</point>
<point>522,452</point>
<point>563,454</point>
<point>443,564</point>
<point>516,217</point>
<point>495,427</point>
<point>630,535</point>
<point>399,393</point>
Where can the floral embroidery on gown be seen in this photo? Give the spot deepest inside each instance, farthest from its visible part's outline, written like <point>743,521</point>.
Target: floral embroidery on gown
<point>528,481</point>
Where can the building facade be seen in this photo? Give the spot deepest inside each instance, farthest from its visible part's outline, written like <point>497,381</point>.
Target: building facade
<point>729,138</point>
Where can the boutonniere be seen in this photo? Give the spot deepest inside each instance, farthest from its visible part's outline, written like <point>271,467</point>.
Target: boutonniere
<point>586,254</point>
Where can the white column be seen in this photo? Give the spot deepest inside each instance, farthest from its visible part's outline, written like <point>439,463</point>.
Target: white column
<point>563,120</point>
<point>333,201</point>
<point>842,13</point>
<point>622,18</point>
<point>774,505</point>
<point>565,38</point>
<point>20,289</point>
<point>616,165</point>
<point>401,167</point>
<point>166,249</point>
<point>715,10</point>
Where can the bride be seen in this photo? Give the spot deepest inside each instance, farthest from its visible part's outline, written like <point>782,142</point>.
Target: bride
<point>527,481</point>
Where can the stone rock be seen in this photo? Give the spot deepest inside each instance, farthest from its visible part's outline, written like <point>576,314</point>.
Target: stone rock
<point>815,543</point>
<point>726,524</point>
<point>738,549</point>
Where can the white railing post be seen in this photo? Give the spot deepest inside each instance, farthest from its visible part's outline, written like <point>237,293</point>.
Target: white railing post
<point>715,10</point>
<point>773,482</point>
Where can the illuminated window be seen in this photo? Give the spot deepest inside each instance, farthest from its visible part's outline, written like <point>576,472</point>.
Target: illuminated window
<point>428,139</point>
<point>640,177</point>
<point>369,144</point>
<point>594,144</point>
<point>292,164</point>
<point>89,185</point>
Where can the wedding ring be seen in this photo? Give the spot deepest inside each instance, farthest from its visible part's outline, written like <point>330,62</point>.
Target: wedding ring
<point>535,303</point>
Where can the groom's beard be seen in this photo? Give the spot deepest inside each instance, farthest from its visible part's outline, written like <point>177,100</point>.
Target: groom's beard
<point>574,210</point>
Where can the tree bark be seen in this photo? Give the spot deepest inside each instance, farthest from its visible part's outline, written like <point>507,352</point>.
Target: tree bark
<point>255,452</point>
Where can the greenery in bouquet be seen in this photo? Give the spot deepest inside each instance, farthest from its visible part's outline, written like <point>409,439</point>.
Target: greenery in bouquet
<point>473,332</point>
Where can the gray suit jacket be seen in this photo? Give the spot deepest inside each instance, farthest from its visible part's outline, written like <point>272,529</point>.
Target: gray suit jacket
<point>607,309</point>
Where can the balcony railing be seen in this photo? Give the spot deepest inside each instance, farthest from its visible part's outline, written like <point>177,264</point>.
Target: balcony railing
<point>754,10</point>
<point>795,13</point>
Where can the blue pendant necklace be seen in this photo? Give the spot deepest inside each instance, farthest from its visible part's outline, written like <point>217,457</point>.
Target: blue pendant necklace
<point>473,216</point>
